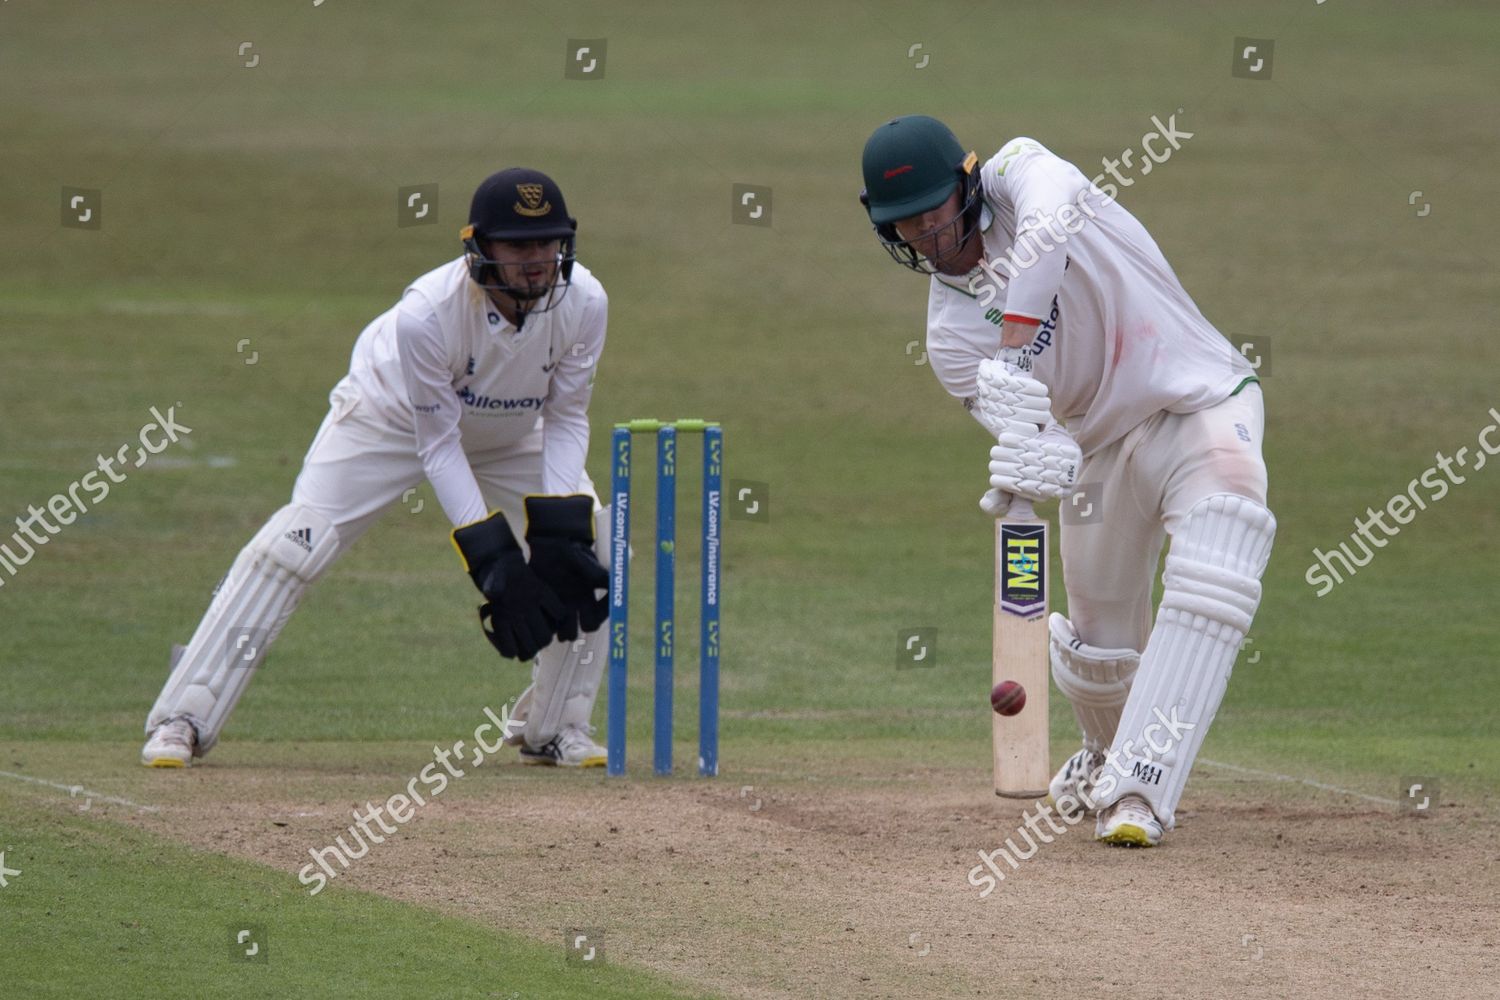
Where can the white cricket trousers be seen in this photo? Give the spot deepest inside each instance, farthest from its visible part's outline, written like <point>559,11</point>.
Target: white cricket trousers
<point>357,466</point>
<point>1141,487</point>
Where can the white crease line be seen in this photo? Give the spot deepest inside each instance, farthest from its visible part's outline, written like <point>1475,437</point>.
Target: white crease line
<point>76,790</point>
<point>1300,781</point>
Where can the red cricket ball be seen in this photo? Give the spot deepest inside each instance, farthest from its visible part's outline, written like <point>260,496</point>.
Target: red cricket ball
<point>1008,698</point>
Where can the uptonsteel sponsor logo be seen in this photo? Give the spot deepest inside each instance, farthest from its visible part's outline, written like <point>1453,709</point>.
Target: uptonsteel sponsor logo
<point>1043,339</point>
<point>1045,330</point>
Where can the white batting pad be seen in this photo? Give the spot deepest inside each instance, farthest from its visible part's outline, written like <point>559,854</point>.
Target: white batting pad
<point>565,678</point>
<point>1095,681</point>
<point>1212,589</point>
<point>248,611</point>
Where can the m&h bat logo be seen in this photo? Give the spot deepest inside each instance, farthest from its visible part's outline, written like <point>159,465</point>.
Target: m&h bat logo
<point>1023,580</point>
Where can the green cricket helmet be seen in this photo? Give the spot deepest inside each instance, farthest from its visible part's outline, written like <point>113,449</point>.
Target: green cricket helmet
<point>912,164</point>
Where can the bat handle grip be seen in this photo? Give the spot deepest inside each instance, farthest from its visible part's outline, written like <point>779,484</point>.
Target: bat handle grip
<point>1020,509</point>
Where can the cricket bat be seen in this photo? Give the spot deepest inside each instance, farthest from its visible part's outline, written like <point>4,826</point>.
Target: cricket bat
<point>1022,767</point>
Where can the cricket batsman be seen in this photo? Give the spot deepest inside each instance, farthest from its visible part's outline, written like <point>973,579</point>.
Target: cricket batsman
<point>478,380</point>
<point>1055,318</point>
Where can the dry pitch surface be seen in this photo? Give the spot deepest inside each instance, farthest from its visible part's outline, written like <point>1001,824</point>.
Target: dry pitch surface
<point>855,885</point>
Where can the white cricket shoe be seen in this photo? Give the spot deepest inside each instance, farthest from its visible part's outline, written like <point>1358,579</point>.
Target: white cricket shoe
<point>170,744</point>
<point>573,747</point>
<point>1128,823</point>
<point>1076,780</point>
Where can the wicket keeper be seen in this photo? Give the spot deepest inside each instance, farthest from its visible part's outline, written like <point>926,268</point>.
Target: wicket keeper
<point>478,380</point>
<point>1055,318</point>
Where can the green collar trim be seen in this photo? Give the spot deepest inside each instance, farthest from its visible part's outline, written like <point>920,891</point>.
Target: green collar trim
<point>956,288</point>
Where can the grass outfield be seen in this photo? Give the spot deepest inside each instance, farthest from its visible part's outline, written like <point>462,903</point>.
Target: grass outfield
<point>249,215</point>
<point>101,910</point>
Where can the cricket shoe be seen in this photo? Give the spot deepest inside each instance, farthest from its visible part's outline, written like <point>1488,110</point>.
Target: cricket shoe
<point>170,744</point>
<point>573,747</point>
<point>1128,823</point>
<point>1076,780</point>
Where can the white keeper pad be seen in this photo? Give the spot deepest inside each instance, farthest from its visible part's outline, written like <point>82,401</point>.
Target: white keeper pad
<point>1095,681</point>
<point>1212,589</point>
<point>248,611</point>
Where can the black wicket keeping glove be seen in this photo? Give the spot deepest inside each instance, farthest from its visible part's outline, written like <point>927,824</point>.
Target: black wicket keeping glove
<point>560,532</point>
<point>521,613</point>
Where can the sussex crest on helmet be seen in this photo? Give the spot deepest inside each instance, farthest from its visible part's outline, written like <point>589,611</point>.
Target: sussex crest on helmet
<point>531,204</point>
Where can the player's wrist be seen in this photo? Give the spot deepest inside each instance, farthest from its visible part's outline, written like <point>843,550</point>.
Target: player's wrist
<point>568,517</point>
<point>1017,360</point>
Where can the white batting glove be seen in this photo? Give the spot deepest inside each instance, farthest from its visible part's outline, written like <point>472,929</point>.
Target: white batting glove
<point>1041,466</point>
<point>1010,401</point>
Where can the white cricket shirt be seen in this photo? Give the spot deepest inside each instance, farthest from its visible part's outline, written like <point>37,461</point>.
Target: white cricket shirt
<point>445,363</point>
<point>1118,338</point>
